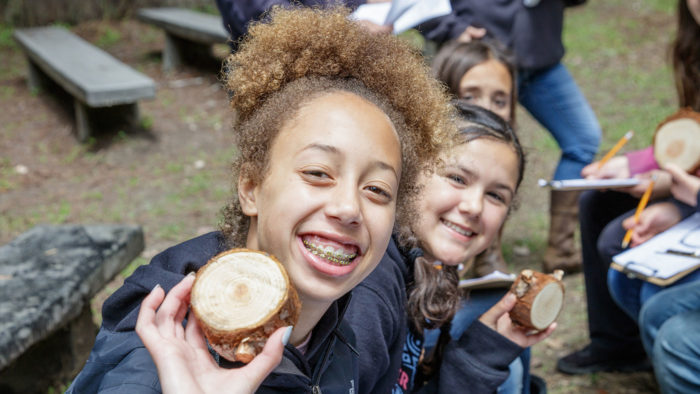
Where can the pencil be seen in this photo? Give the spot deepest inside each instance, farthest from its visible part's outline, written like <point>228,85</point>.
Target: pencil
<point>642,204</point>
<point>628,135</point>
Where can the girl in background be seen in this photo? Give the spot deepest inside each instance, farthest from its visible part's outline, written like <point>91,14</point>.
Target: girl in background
<point>462,206</point>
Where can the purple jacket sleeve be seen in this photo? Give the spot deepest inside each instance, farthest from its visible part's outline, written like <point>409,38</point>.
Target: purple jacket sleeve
<point>641,161</point>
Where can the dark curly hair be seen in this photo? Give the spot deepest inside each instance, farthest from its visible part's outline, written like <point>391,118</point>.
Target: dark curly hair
<point>434,296</point>
<point>298,54</point>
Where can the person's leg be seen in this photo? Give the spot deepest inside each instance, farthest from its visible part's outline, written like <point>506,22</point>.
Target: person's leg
<point>611,330</point>
<point>626,292</point>
<point>676,354</point>
<point>555,101</point>
<point>682,297</point>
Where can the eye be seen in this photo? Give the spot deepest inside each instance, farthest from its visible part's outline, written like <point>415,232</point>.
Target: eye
<point>500,103</point>
<point>379,193</point>
<point>468,97</point>
<point>316,173</point>
<point>456,179</point>
<point>500,197</point>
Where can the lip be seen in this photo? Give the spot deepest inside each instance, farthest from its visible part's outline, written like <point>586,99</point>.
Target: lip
<point>455,234</point>
<point>322,265</point>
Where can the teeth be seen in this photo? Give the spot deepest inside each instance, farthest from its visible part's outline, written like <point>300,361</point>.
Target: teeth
<point>329,253</point>
<point>458,229</point>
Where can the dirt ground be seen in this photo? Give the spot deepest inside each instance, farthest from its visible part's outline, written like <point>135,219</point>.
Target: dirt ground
<point>169,175</point>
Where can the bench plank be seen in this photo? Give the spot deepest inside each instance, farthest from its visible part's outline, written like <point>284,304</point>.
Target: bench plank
<point>191,25</point>
<point>88,73</point>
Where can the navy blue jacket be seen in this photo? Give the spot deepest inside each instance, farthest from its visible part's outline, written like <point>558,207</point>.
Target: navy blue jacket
<point>119,363</point>
<point>237,14</point>
<point>389,352</point>
<point>532,33</point>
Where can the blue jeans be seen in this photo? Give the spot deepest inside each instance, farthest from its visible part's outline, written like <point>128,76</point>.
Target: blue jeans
<point>630,293</point>
<point>553,99</point>
<point>478,302</point>
<point>669,323</point>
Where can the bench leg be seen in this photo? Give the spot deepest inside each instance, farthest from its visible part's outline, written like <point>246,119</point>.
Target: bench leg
<point>172,54</point>
<point>82,121</point>
<point>36,79</point>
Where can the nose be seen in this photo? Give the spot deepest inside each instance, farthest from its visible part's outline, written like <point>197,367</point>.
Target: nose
<point>472,202</point>
<point>345,205</point>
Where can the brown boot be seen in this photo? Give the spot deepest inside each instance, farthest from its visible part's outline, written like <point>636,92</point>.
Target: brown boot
<point>490,259</point>
<point>562,252</point>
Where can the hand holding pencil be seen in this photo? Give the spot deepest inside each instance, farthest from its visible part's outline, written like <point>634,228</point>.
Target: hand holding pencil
<point>640,207</point>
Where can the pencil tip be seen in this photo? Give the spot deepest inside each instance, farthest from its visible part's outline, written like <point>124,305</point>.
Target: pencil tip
<point>629,134</point>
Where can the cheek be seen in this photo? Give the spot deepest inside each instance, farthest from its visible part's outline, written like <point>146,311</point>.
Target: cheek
<point>494,217</point>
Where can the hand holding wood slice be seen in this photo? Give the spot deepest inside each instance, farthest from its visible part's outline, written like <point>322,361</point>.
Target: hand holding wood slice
<point>240,297</point>
<point>677,140</point>
<point>540,298</point>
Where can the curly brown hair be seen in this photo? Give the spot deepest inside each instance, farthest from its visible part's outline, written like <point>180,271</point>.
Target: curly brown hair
<point>298,54</point>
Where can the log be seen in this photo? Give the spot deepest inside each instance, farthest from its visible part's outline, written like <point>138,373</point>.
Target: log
<point>540,298</point>
<point>240,297</point>
<point>677,140</point>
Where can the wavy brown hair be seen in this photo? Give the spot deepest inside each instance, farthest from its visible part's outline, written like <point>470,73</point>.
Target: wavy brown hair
<point>685,54</point>
<point>434,296</point>
<point>298,54</point>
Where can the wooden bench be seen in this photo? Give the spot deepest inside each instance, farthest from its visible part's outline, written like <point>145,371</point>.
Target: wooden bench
<point>188,33</point>
<point>48,276</point>
<point>96,80</point>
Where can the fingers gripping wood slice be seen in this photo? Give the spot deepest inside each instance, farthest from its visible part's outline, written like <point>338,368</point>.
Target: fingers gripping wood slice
<point>677,140</point>
<point>240,297</point>
<point>540,298</point>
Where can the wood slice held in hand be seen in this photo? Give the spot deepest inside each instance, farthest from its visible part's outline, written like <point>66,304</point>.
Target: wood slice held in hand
<point>540,298</point>
<point>240,297</point>
<point>677,140</point>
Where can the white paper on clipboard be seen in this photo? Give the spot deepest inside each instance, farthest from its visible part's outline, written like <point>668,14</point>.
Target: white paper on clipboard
<point>658,258</point>
<point>586,184</point>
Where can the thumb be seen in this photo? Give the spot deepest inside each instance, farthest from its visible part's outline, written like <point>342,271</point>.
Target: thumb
<point>270,357</point>
<point>491,316</point>
<point>676,172</point>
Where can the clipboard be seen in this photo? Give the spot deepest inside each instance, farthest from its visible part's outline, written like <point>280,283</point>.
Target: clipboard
<point>588,184</point>
<point>665,258</point>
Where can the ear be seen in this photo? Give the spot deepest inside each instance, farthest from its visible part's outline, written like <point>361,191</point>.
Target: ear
<point>247,193</point>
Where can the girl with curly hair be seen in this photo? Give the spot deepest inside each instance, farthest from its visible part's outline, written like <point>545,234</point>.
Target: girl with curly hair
<point>331,136</point>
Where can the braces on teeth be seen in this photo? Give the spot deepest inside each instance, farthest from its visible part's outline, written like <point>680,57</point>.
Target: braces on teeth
<point>330,255</point>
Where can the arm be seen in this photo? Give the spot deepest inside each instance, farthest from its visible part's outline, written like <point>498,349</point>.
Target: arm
<point>479,359</point>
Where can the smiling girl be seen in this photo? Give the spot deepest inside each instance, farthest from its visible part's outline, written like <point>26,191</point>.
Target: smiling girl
<point>329,148</point>
<point>462,206</point>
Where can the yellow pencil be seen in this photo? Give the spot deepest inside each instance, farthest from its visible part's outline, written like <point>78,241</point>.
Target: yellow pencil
<point>628,135</point>
<point>642,204</point>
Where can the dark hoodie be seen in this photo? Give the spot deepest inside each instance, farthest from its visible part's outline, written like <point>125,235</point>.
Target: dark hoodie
<point>119,363</point>
<point>389,352</point>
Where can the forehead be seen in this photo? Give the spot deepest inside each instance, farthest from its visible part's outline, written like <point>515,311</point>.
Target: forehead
<point>346,121</point>
<point>487,158</point>
<point>489,71</point>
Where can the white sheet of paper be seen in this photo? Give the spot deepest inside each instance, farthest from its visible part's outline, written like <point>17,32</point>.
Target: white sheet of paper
<point>494,275</point>
<point>585,184</point>
<point>408,13</point>
<point>651,259</point>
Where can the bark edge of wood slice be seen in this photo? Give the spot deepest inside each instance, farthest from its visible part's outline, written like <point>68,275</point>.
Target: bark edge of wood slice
<point>677,140</point>
<point>240,297</point>
<point>540,299</point>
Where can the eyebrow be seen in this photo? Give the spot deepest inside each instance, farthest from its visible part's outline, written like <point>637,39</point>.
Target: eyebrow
<point>498,185</point>
<point>332,149</point>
